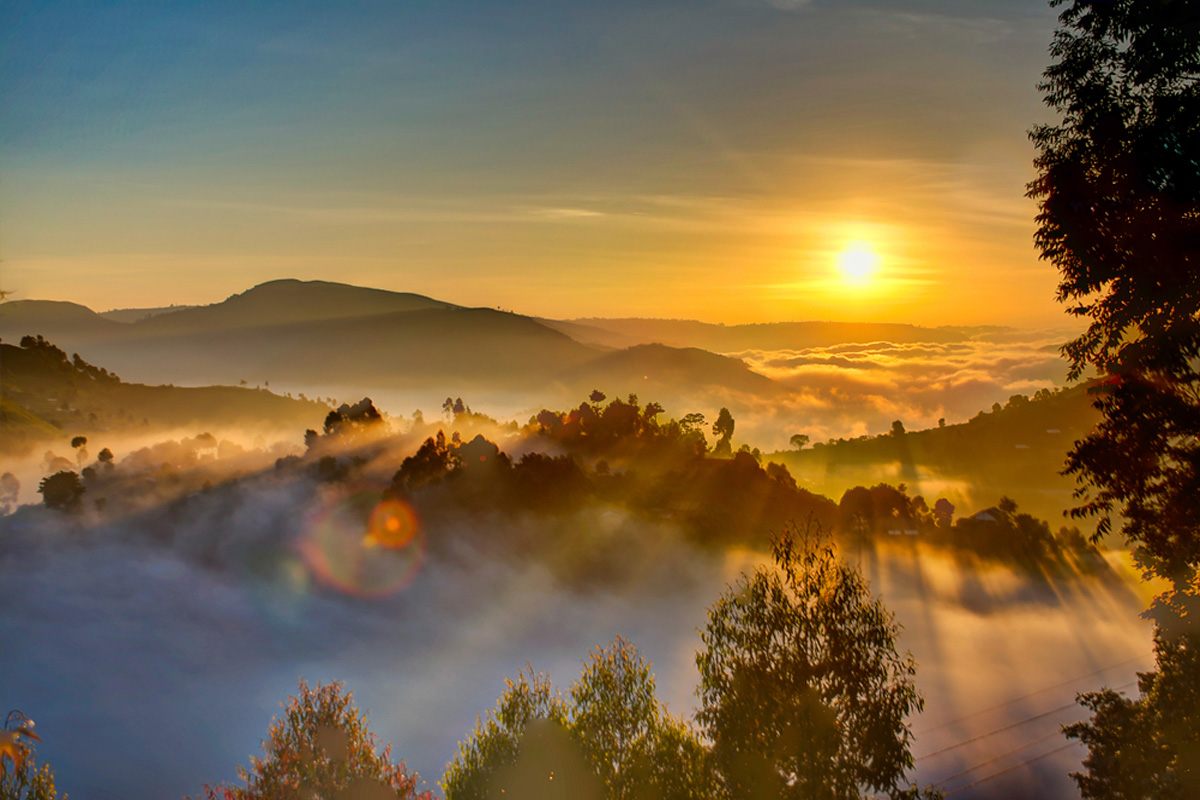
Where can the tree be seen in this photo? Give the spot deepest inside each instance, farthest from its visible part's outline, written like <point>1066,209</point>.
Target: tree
<point>1118,189</point>
<point>493,747</point>
<point>322,748</point>
<point>799,441</point>
<point>20,776</point>
<point>898,428</point>
<point>79,443</point>
<point>803,693</point>
<point>632,744</point>
<point>1148,747</point>
<point>723,428</point>
<point>612,739</point>
<point>62,490</point>
<point>943,513</point>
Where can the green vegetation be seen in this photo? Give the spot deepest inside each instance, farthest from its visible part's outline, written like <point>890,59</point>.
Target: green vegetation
<point>611,738</point>
<point>48,395</point>
<point>1148,747</point>
<point>322,748</point>
<point>21,778</point>
<point>802,690</point>
<point>803,694</point>
<point>1015,450</point>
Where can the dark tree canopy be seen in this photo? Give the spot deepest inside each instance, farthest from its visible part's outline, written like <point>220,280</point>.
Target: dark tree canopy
<point>1148,747</point>
<point>62,490</point>
<point>1119,196</point>
<point>723,428</point>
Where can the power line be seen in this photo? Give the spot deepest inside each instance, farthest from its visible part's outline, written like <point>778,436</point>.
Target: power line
<point>1014,766</point>
<point>1007,727</point>
<point>941,725</point>
<point>1050,735</point>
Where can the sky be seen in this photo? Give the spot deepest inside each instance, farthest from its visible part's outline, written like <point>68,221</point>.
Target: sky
<point>725,160</point>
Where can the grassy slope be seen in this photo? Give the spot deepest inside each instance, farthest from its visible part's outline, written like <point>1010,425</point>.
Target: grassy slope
<point>47,398</point>
<point>1018,451</point>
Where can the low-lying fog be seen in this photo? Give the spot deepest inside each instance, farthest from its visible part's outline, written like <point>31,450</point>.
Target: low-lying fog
<point>830,392</point>
<point>153,647</point>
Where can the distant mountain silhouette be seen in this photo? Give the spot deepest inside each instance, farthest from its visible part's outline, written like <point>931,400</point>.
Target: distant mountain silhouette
<point>324,334</point>
<point>656,371</point>
<point>287,301</point>
<point>627,332</point>
<point>52,318</point>
<point>451,346</point>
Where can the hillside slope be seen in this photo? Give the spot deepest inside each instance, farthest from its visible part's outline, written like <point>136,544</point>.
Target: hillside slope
<point>45,396</point>
<point>1017,451</point>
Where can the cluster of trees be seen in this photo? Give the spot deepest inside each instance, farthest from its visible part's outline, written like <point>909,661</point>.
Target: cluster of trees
<point>1001,532</point>
<point>660,471</point>
<point>803,695</point>
<point>595,428</point>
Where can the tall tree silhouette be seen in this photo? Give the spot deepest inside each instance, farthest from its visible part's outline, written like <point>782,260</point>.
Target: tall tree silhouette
<point>1118,189</point>
<point>1119,196</point>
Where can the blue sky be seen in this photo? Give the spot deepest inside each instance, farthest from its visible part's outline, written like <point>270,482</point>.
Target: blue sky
<point>556,158</point>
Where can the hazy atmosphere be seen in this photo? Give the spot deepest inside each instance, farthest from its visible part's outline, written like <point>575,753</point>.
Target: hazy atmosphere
<point>716,360</point>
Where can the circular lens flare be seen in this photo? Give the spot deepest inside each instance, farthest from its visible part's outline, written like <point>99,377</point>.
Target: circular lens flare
<point>393,525</point>
<point>360,546</point>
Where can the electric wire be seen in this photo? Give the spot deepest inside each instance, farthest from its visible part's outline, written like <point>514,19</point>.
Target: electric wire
<point>1014,766</point>
<point>1010,726</point>
<point>994,759</point>
<point>941,725</point>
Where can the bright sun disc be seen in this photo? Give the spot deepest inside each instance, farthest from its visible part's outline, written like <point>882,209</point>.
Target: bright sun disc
<point>857,263</point>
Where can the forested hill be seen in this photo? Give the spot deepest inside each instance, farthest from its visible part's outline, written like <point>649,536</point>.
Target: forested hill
<point>45,395</point>
<point>1016,450</point>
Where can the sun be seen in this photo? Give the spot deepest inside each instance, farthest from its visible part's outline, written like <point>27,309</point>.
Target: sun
<point>857,263</point>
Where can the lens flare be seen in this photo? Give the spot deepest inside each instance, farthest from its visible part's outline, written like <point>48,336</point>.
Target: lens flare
<point>393,525</point>
<point>363,547</point>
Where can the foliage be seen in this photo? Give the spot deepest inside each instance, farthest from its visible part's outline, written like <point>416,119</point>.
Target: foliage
<point>496,741</point>
<point>352,422</point>
<point>723,428</point>
<point>62,490</point>
<point>803,693</point>
<point>1119,188</point>
<point>321,748</point>
<point>20,776</point>
<point>433,461</point>
<point>613,739</point>
<point>634,746</point>
<point>1148,747</point>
